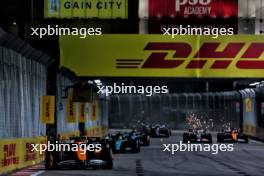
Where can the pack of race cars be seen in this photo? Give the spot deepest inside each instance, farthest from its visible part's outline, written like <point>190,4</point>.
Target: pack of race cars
<point>124,142</point>
<point>202,136</point>
<point>74,151</point>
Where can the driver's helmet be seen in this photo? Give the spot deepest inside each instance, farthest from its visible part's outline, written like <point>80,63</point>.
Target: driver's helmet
<point>234,130</point>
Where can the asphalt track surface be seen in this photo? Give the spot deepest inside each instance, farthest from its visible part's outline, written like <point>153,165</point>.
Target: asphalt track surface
<point>245,160</point>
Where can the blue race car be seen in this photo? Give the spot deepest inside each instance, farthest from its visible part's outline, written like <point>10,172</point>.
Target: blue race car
<point>125,142</point>
<point>144,138</point>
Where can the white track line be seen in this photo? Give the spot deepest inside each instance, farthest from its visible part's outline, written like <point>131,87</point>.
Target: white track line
<point>256,142</point>
<point>37,173</point>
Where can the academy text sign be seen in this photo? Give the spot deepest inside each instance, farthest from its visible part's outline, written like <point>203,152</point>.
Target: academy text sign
<point>190,8</point>
<point>238,56</point>
<point>102,9</point>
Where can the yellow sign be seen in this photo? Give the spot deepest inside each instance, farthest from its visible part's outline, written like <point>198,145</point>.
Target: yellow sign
<point>17,153</point>
<point>82,112</point>
<point>248,105</point>
<point>102,9</point>
<point>47,109</point>
<point>94,110</point>
<point>70,110</point>
<point>238,56</point>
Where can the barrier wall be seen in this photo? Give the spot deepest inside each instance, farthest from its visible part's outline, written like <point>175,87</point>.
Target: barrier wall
<point>249,111</point>
<point>61,106</point>
<point>17,153</point>
<point>69,114</point>
<point>253,112</point>
<point>97,117</point>
<point>97,131</point>
<point>23,83</point>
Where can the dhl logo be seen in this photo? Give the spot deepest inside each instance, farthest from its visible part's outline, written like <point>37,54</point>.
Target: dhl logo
<point>249,56</point>
<point>147,55</point>
<point>30,155</point>
<point>10,157</point>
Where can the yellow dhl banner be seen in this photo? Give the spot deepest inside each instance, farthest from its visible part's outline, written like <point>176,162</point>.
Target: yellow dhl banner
<point>70,110</point>
<point>238,56</point>
<point>47,109</point>
<point>17,153</point>
<point>102,9</point>
<point>82,112</point>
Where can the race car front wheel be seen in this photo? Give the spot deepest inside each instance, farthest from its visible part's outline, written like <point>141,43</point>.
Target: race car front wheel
<point>136,147</point>
<point>167,134</point>
<point>147,141</point>
<point>220,138</point>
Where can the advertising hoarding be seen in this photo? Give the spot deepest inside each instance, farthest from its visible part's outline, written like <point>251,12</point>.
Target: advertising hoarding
<point>237,56</point>
<point>102,9</point>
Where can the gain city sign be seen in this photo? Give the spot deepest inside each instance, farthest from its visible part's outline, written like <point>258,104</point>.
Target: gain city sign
<point>102,9</point>
<point>238,56</point>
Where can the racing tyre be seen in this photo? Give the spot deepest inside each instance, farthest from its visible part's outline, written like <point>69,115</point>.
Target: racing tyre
<point>167,134</point>
<point>136,147</point>
<point>210,139</point>
<point>148,141</point>
<point>185,138</point>
<point>220,138</point>
<point>114,150</point>
<point>245,138</point>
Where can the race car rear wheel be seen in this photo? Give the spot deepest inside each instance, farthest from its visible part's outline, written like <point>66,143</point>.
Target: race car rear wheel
<point>114,150</point>
<point>245,138</point>
<point>148,141</point>
<point>210,139</point>
<point>220,138</point>
<point>185,137</point>
<point>167,134</point>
